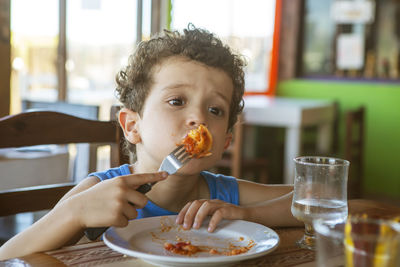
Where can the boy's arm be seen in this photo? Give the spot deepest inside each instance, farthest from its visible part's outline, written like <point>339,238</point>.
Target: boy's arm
<point>57,228</point>
<point>267,204</point>
<point>90,204</point>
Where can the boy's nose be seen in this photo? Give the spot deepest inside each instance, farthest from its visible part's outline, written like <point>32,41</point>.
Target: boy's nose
<point>196,124</point>
<point>196,118</point>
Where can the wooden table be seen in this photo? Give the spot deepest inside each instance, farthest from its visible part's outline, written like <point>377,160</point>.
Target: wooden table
<point>287,253</point>
<point>292,114</point>
<point>98,254</point>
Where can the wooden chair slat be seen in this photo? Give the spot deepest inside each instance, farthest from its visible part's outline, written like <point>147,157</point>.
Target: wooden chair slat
<point>31,199</point>
<point>354,150</point>
<point>234,160</point>
<point>49,127</point>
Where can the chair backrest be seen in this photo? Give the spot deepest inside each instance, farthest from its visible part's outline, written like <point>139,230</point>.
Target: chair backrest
<point>86,154</point>
<point>47,127</point>
<point>237,148</point>
<point>237,163</point>
<point>354,150</point>
<point>90,112</point>
<point>309,137</point>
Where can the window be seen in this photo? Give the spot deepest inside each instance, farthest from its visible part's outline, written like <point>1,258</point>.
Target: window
<point>351,39</point>
<point>34,28</point>
<point>99,36</point>
<point>247,26</point>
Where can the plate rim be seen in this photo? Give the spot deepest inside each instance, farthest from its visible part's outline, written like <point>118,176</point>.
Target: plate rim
<point>193,260</point>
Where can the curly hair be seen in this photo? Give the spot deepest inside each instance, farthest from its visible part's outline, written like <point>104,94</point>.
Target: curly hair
<point>135,80</point>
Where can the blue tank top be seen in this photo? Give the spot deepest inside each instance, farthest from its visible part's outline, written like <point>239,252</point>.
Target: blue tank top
<point>221,187</point>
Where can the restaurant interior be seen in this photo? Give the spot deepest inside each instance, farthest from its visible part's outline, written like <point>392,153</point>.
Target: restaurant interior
<point>323,79</point>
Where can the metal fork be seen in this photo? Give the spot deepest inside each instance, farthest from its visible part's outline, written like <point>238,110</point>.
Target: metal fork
<point>175,160</point>
<point>171,164</point>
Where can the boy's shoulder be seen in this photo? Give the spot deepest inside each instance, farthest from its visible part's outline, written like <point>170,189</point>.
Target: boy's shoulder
<point>216,176</point>
<point>112,172</point>
<point>222,187</point>
<point>219,180</point>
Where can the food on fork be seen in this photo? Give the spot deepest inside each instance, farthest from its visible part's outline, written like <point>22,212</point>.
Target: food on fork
<point>198,142</point>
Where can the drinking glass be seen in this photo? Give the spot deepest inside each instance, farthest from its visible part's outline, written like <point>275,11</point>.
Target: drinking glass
<point>320,192</point>
<point>358,242</point>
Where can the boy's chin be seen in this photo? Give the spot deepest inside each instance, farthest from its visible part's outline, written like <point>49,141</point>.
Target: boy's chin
<point>195,166</point>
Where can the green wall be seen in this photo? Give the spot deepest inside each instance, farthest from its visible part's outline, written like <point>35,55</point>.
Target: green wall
<point>382,144</point>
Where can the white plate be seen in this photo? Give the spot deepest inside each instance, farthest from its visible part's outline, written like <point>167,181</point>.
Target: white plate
<point>145,238</point>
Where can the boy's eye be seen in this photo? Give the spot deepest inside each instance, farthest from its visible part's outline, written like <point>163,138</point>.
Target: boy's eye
<point>216,111</point>
<point>176,102</point>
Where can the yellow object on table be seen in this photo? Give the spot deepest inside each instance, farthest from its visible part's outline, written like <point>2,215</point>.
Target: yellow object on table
<point>371,242</point>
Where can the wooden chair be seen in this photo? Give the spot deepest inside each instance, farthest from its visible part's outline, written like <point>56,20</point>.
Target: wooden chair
<point>354,150</point>
<point>234,161</point>
<point>86,154</point>
<point>46,127</point>
<point>84,111</point>
<point>309,137</point>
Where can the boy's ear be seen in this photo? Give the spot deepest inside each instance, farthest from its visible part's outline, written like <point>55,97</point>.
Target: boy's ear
<point>228,140</point>
<point>128,120</point>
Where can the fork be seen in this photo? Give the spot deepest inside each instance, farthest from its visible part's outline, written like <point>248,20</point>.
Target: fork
<point>171,164</point>
<point>175,160</point>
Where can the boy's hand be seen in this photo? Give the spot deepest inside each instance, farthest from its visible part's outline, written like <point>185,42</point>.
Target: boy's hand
<point>112,202</point>
<point>194,213</point>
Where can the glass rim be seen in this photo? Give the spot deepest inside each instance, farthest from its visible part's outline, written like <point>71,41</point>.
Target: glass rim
<point>326,228</point>
<point>327,161</point>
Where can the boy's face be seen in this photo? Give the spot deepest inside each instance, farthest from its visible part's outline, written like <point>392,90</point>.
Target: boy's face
<point>184,94</point>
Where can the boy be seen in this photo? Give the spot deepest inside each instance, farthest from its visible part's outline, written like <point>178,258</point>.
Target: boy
<point>172,84</point>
